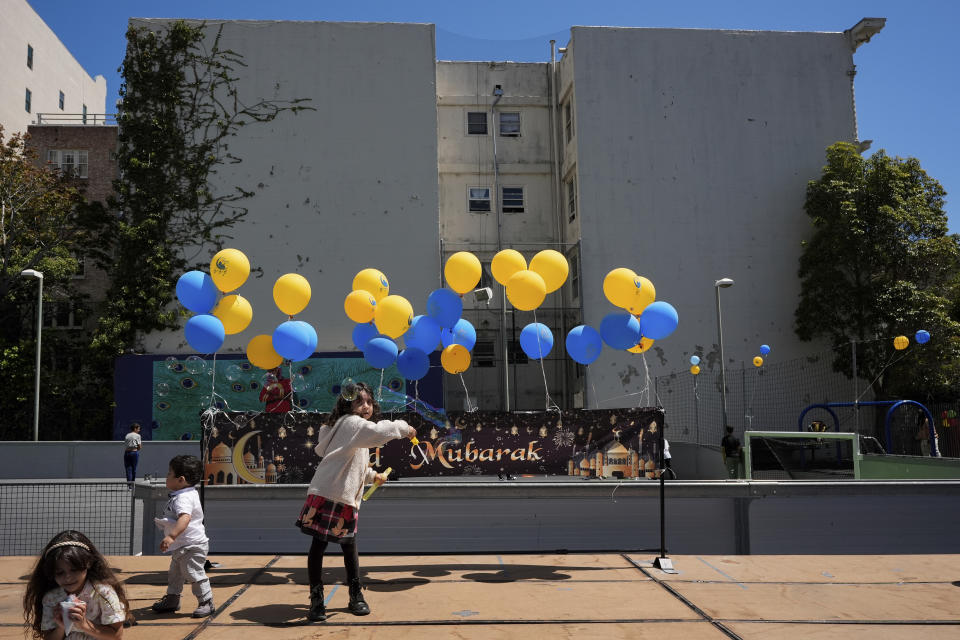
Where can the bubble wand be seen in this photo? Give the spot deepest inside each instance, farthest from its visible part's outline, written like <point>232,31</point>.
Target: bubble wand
<point>376,484</point>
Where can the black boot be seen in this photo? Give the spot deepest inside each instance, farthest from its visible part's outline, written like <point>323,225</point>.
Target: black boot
<point>317,611</point>
<point>358,606</point>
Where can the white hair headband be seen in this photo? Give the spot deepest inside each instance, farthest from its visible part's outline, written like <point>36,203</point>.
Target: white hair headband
<point>68,543</point>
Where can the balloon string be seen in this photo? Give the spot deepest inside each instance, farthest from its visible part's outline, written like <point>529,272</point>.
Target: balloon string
<point>380,387</point>
<point>646,378</point>
<point>470,407</point>
<point>596,398</point>
<point>213,380</point>
<point>550,404</point>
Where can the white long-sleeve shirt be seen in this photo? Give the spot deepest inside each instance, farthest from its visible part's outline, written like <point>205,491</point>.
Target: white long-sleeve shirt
<point>345,448</point>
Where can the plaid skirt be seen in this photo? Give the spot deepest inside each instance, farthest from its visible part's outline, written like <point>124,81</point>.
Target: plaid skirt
<point>328,520</point>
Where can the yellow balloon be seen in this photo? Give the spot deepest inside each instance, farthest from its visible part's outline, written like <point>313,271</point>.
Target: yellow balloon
<point>619,287</point>
<point>757,361</point>
<point>229,269</point>
<point>462,271</point>
<point>455,358</point>
<point>526,290</point>
<point>234,312</point>
<point>360,305</point>
<point>552,267</point>
<point>291,292</point>
<point>505,264</point>
<point>695,369</point>
<point>260,352</point>
<point>393,316</point>
<point>901,342</point>
<point>373,281</point>
<point>640,347</point>
<point>644,293</point>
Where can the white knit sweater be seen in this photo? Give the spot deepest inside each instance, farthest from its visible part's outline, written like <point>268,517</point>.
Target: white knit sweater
<point>345,448</point>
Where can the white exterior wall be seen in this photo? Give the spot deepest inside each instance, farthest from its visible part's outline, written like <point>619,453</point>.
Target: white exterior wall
<point>693,150</point>
<point>348,186</point>
<point>54,70</point>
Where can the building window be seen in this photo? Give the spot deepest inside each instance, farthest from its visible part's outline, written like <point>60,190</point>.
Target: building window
<point>572,199</point>
<point>512,199</point>
<point>62,100</point>
<point>510,124</point>
<point>62,315</point>
<point>26,102</point>
<point>484,353</point>
<point>575,276</point>
<point>29,57</point>
<point>70,161</point>
<point>84,114</point>
<point>477,123</point>
<point>515,354</point>
<point>478,200</point>
<point>568,120</point>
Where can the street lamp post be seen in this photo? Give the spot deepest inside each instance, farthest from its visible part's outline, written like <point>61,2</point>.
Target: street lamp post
<point>722,283</point>
<point>36,383</point>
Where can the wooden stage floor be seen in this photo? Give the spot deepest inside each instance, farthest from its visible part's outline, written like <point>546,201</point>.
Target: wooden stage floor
<point>551,595</point>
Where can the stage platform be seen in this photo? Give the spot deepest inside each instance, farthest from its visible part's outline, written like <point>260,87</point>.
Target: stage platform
<point>550,595</point>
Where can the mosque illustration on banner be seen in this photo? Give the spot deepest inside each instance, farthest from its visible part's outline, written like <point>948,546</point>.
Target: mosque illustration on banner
<point>221,464</point>
<point>616,459</point>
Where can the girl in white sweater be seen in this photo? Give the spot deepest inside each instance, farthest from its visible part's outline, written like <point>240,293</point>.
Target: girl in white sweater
<point>331,510</point>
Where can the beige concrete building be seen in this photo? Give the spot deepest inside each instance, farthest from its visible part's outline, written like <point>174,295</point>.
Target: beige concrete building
<point>41,79</point>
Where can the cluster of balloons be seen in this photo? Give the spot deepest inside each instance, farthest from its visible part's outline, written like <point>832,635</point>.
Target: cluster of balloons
<point>642,321</point>
<point>527,287</point>
<point>902,342</point>
<point>293,339</point>
<point>695,365</point>
<point>758,360</point>
<point>215,319</point>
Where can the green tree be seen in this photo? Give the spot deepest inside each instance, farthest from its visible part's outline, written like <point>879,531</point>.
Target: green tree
<point>179,109</point>
<point>879,264</point>
<point>45,224</point>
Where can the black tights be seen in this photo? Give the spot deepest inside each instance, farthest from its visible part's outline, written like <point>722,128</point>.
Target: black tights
<point>315,561</point>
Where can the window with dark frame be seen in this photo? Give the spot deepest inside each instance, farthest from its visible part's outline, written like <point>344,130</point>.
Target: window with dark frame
<point>510,124</point>
<point>572,198</point>
<point>484,353</point>
<point>84,114</point>
<point>568,120</point>
<point>62,100</point>
<point>511,199</point>
<point>29,57</point>
<point>63,314</point>
<point>477,123</point>
<point>575,276</point>
<point>478,199</point>
<point>515,353</point>
<point>26,102</point>
<point>69,161</point>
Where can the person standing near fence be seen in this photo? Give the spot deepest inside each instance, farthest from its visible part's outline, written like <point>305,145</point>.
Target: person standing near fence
<point>132,443</point>
<point>730,450</point>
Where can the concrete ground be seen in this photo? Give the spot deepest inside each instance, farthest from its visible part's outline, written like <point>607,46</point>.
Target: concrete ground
<point>557,596</point>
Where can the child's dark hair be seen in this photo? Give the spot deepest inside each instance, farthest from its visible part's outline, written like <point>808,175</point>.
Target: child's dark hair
<point>79,553</point>
<point>189,467</point>
<point>345,406</point>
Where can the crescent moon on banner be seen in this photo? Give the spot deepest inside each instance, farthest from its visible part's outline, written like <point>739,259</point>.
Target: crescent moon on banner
<point>242,472</point>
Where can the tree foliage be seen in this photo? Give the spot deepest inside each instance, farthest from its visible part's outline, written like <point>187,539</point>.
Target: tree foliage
<point>879,264</point>
<point>180,106</point>
<point>45,224</point>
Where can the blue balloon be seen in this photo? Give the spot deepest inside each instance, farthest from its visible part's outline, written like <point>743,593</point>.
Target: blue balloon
<point>294,340</point>
<point>364,333</point>
<point>922,336</point>
<point>764,349</point>
<point>444,306</point>
<point>196,291</point>
<point>584,344</point>
<point>536,340</point>
<point>461,333</point>
<point>423,335</point>
<point>658,320</point>
<point>205,333</point>
<point>413,364</point>
<point>620,330</point>
<point>381,352</point>
<point>694,360</point>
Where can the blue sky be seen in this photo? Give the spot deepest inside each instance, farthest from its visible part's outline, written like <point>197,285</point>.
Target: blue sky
<point>907,89</point>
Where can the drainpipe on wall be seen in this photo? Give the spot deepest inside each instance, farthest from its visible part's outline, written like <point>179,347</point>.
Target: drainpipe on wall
<point>497,94</point>
<point>558,209</point>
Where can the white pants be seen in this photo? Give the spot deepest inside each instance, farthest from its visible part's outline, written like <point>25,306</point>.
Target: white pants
<point>186,565</point>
